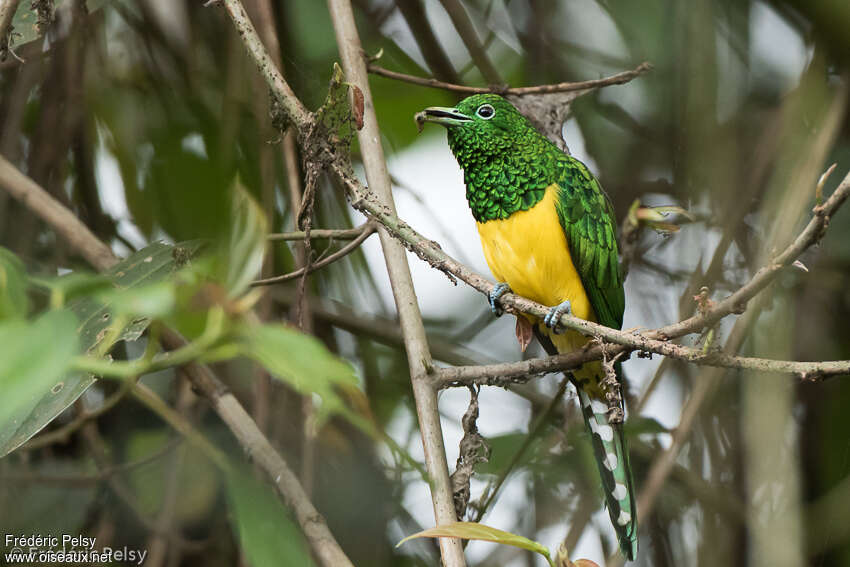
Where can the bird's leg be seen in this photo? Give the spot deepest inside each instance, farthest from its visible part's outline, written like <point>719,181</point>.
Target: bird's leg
<point>501,289</point>
<point>554,316</point>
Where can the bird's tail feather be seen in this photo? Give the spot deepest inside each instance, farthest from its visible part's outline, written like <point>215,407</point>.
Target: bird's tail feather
<point>612,458</point>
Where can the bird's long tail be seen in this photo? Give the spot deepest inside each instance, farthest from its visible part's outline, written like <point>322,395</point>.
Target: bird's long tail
<point>612,458</point>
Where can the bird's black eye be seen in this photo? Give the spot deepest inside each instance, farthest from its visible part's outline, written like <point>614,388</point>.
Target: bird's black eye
<point>485,111</point>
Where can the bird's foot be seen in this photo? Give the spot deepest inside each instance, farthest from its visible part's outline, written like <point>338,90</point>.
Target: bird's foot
<point>553,318</point>
<point>493,297</point>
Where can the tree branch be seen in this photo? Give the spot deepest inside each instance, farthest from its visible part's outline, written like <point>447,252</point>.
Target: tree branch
<point>367,231</point>
<point>320,234</point>
<point>617,79</point>
<point>413,330</point>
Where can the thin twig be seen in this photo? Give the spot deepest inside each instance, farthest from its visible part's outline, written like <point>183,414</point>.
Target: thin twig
<point>341,253</point>
<point>617,79</point>
<point>321,234</point>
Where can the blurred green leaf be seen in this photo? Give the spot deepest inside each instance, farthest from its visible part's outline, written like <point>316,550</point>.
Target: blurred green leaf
<point>640,425</point>
<point>36,355</point>
<point>14,303</point>
<point>266,531</point>
<point>198,482</point>
<point>301,361</point>
<point>95,317</point>
<point>71,286</point>
<point>246,242</point>
<point>474,530</point>
<point>149,301</point>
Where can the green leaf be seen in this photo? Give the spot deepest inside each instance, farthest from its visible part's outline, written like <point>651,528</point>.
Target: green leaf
<point>14,303</point>
<point>149,265</point>
<point>301,361</point>
<point>266,531</point>
<point>35,357</point>
<point>474,530</point>
<point>246,242</point>
<point>149,301</point>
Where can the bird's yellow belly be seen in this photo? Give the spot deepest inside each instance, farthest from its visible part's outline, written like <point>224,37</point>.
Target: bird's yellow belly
<point>529,251</point>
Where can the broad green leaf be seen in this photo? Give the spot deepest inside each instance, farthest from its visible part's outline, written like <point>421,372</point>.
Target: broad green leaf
<point>301,361</point>
<point>246,242</point>
<point>35,357</point>
<point>149,265</point>
<point>267,534</point>
<point>14,303</point>
<point>474,530</point>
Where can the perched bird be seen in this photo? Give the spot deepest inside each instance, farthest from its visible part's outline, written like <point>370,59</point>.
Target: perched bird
<point>548,233</point>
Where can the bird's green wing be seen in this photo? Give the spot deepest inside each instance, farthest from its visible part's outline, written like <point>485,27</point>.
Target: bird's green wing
<point>587,217</point>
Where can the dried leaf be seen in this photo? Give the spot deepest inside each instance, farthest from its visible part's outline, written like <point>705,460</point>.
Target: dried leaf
<point>524,332</point>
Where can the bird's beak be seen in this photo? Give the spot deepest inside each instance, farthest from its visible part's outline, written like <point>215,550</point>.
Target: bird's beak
<point>442,115</point>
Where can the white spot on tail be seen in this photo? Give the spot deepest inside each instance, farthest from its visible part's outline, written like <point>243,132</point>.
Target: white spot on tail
<point>606,432</point>
<point>624,518</point>
<point>594,427</point>
<point>619,491</point>
<point>610,461</point>
<point>599,407</point>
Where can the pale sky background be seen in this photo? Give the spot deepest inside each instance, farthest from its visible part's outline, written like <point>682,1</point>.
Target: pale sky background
<point>428,169</point>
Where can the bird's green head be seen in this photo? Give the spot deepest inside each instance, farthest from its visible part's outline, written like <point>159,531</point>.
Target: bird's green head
<point>507,164</point>
<point>482,124</point>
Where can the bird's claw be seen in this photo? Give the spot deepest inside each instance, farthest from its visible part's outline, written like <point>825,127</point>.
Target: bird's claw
<point>497,292</point>
<point>553,318</point>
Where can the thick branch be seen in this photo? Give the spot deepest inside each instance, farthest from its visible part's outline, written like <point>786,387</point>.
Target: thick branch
<point>413,330</point>
<point>280,89</point>
<point>617,79</point>
<point>64,223</point>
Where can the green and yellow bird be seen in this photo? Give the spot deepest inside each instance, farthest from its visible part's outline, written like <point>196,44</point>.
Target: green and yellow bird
<point>548,233</point>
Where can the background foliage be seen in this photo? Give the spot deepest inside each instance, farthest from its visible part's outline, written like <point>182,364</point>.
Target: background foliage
<point>143,116</point>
